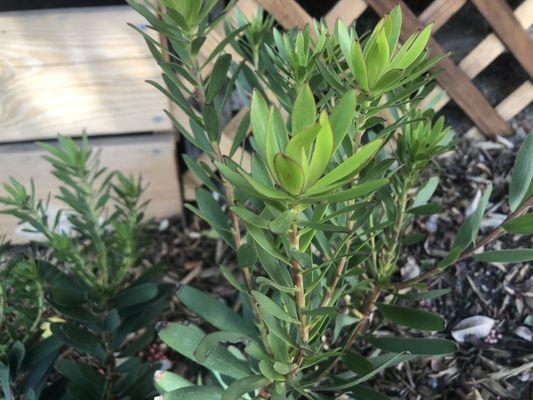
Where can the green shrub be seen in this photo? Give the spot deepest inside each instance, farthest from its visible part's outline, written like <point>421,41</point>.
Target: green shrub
<point>25,357</point>
<point>107,304</point>
<point>320,220</point>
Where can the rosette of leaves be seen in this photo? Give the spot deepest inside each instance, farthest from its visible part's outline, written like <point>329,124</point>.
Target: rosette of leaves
<point>105,304</point>
<point>318,220</point>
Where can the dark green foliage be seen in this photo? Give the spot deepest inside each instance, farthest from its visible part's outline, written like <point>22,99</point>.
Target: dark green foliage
<point>105,308</point>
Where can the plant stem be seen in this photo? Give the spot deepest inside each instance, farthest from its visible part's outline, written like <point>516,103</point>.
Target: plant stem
<point>367,311</point>
<point>391,253</point>
<point>338,273</point>
<point>497,232</point>
<point>299,297</point>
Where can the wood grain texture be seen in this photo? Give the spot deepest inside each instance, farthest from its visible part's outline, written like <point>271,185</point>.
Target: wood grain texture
<point>500,17</point>
<point>440,11</point>
<point>70,36</point>
<point>345,10</point>
<point>288,13</point>
<point>153,156</point>
<point>511,106</point>
<point>452,78</point>
<point>482,55</point>
<point>62,71</point>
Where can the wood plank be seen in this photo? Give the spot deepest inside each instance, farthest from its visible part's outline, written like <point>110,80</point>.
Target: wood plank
<point>153,156</point>
<point>451,77</point>
<point>511,106</point>
<point>65,70</point>
<point>345,10</point>
<point>70,36</point>
<point>500,17</point>
<point>288,13</point>
<point>482,55</point>
<point>440,11</point>
<point>104,98</point>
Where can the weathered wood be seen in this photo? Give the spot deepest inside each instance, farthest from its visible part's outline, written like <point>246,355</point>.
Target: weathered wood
<point>482,55</point>
<point>345,10</point>
<point>451,77</point>
<point>500,17</point>
<point>440,11</point>
<point>70,36</point>
<point>66,70</point>
<point>511,106</point>
<point>288,13</point>
<point>108,97</point>
<point>153,156</point>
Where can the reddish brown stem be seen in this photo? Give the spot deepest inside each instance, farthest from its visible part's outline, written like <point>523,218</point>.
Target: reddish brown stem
<point>471,250</point>
<point>367,311</point>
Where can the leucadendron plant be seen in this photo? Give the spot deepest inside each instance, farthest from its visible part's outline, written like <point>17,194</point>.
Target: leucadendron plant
<point>339,167</point>
<point>102,302</point>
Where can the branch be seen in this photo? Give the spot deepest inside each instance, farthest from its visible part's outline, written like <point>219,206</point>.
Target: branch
<point>472,249</point>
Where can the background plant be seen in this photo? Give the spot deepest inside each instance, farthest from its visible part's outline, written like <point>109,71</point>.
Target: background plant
<point>90,273</point>
<point>26,357</point>
<point>340,167</point>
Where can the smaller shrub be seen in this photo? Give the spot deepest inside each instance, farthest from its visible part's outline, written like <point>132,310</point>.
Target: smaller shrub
<point>107,306</point>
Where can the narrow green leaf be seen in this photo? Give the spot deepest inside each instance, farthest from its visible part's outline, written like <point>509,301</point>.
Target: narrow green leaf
<point>136,295</point>
<point>342,117</point>
<point>269,306</point>
<point>195,393</point>
<point>358,65</point>
<point>245,385</point>
<point>304,110</point>
<point>468,231</point>
<point>426,191</point>
<point>522,225</point>
<point>240,135</point>
<point>266,242</point>
<point>427,295</point>
<point>261,280</point>
<point>214,312</point>
<point>299,145</point>
<point>258,118</point>
<point>186,338</point>
<point>421,346</point>
<point>365,393</point>
<point>357,363</point>
<point>412,318</point>
<point>505,256</point>
<point>283,221</point>
<point>426,209</point>
<point>289,174</point>
<point>250,217</point>
<point>322,151</point>
<point>352,164</point>
<point>354,192</point>
<point>212,340</point>
<point>211,123</point>
<point>522,175</point>
<point>166,381</point>
<point>218,76</point>
<point>377,59</point>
